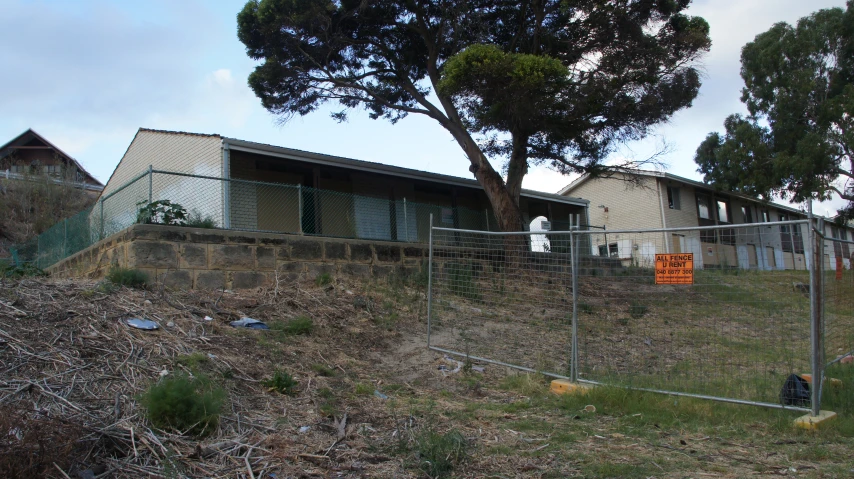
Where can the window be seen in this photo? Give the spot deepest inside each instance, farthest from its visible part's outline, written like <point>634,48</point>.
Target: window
<point>609,250</point>
<point>704,207</point>
<point>746,214</point>
<point>673,198</point>
<point>17,168</point>
<point>723,211</point>
<point>766,216</point>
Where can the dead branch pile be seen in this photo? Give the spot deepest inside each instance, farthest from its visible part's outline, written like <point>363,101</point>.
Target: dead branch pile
<point>73,370</point>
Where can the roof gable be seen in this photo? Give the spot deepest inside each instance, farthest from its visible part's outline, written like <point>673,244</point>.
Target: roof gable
<point>31,139</point>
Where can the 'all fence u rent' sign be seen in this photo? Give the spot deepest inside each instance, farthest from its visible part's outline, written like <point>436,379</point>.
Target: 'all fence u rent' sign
<point>677,268</point>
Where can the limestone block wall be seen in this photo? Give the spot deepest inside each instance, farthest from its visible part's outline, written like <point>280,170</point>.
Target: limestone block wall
<point>191,258</point>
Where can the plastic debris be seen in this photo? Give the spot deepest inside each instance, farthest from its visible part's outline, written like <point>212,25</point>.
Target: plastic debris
<point>170,324</point>
<point>208,318</point>
<point>380,395</point>
<point>458,366</point>
<point>249,323</point>
<point>478,369</point>
<point>145,324</point>
<point>304,429</point>
<point>164,373</point>
<point>795,392</point>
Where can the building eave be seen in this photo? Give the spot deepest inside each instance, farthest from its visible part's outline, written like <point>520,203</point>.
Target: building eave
<point>379,168</point>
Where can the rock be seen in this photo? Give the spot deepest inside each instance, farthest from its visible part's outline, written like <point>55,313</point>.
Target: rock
<point>847,360</point>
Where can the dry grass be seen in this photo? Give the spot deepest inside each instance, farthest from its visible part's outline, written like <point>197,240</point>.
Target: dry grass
<point>67,355</point>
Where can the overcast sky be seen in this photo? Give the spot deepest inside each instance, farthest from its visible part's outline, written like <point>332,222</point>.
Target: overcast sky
<point>87,74</point>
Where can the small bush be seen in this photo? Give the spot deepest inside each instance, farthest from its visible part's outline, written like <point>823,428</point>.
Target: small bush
<point>196,220</point>
<point>282,382</point>
<point>438,454</point>
<point>130,277</point>
<point>26,270</point>
<point>184,405</point>
<point>323,279</point>
<point>637,310</point>
<point>295,327</point>
<point>162,212</point>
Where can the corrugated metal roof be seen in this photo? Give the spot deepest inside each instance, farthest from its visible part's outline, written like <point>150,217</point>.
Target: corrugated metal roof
<point>323,159</point>
<point>681,179</point>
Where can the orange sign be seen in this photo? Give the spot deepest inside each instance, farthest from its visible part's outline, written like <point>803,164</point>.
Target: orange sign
<point>677,268</point>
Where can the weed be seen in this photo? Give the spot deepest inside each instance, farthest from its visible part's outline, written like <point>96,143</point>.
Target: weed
<point>184,405</point>
<point>196,220</point>
<point>322,370</point>
<point>130,277</point>
<point>437,453</point>
<point>162,212</point>
<point>461,280</point>
<point>193,361</point>
<point>323,279</point>
<point>525,384</point>
<point>363,389</point>
<point>282,382</point>
<point>585,308</point>
<point>294,327</point>
<point>228,374</point>
<point>637,310</point>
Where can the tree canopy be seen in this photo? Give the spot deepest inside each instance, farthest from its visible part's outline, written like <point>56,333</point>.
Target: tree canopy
<point>560,82</point>
<point>798,138</point>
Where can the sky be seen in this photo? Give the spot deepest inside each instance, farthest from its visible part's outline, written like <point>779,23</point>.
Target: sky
<point>87,74</point>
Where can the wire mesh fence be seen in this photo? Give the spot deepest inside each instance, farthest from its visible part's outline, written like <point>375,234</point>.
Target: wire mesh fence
<point>246,205</point>
<point>718,312</point>
<point>837,297</point>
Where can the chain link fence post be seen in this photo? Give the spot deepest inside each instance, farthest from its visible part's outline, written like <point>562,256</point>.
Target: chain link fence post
<point>150,184</point>
<point>101,230</point>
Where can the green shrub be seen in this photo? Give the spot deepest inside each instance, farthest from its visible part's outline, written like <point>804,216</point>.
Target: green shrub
<point>130,277</point>
<point>9,271</point>
<point>438,454</point>
<point>197,220</point>
<point>184,405</point>
<point>162,212</point>
<point>281,382</point>
<point>323,279</point>
<point>637,310</point>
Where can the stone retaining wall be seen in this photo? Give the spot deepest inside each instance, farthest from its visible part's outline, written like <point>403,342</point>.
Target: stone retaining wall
<point>194,258</point>
<point>189,258</point>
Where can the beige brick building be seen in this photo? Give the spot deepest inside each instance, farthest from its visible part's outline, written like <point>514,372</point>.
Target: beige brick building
<point>644,200</point>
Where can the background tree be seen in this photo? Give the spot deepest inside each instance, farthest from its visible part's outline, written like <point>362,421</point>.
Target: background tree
<point>560,82</point>
<point>799,137</point>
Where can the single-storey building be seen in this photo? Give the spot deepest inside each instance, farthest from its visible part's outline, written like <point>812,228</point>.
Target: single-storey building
<point>31,154</point>
<point>650,200</point>
<point>251,186</point>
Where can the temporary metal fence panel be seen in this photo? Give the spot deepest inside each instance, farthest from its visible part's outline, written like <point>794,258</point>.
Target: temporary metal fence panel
<point>735,332</point>
<point>837,303</point>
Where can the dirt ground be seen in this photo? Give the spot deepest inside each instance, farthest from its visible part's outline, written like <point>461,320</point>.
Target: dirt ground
<point>370,401</point>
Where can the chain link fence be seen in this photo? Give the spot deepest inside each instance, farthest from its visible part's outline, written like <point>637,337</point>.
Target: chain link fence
<point>719,312</point>
<point>245,205</point>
